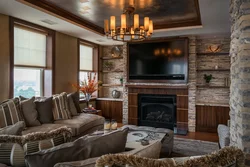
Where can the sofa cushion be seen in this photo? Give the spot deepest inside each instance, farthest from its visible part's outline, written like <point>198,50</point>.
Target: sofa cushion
<point>61,107</point>
<point>10,112</point>
<point>75,97</point>
<point>44,109</point>
<point>30,114</point>
<point>15,129</point>
<point>72,107</point>
<point>42,128</point>
<point>150,151</point>
<point>83,148</point>
<point>82,123</point>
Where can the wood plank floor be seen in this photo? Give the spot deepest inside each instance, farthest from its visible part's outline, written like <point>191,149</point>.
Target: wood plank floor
<point>205,136</point>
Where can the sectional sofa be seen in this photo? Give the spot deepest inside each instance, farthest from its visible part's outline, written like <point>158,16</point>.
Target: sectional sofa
<point>42,114</point>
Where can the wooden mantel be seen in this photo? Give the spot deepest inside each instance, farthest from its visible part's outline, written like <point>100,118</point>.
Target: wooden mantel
<point>157,86</point>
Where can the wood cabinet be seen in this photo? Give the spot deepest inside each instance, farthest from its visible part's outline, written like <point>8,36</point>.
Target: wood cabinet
<point>110,109</point>
<point>209,117</point>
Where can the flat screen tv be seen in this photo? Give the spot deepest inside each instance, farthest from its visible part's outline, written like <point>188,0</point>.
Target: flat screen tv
<point>159,61</point>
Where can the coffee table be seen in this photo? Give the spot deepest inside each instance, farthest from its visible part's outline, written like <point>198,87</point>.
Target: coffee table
<point>138,133</point>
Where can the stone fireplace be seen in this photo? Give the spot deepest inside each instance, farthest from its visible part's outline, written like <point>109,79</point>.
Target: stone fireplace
<point>157,110</point>
<point>190,86</point>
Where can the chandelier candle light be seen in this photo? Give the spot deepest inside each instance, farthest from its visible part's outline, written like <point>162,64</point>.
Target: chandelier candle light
<point>128,32</point>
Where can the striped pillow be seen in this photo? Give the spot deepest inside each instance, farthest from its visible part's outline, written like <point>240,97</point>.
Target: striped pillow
<point>61,107</point>
<point>10,112</point>
<point>35,146</point>
<point>12,154</point>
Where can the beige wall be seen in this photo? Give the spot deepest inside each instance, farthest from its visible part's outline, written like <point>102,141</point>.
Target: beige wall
<point>4,57</point>
<point>66,63</point>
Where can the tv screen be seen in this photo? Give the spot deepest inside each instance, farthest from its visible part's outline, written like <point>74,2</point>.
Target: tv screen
<point>166,60</point>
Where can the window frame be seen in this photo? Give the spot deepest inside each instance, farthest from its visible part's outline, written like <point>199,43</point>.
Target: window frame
<point>95,62</point>
<point>48,71</point>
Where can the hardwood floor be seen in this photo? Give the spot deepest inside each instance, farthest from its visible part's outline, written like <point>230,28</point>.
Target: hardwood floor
<point>205,136</point>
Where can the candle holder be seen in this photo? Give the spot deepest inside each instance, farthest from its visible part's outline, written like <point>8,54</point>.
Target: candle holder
<point>113,124</point>
<point>107,125</point>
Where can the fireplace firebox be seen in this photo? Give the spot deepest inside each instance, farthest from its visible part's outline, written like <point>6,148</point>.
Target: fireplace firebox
<point>157,110</point>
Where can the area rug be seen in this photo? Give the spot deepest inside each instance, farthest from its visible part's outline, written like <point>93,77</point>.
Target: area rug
<point>189,147</point>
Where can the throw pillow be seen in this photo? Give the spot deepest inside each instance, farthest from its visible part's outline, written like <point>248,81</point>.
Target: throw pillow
<point>83,148</point>
<point>10,112</point>
<point>44,108</point>
<point>72,107</point>
<point>12,154</point>
<point>61,107</point>
<point>15,129</point>
<point>28,109</point>
<point>34,142</point>
<point>75,97</point>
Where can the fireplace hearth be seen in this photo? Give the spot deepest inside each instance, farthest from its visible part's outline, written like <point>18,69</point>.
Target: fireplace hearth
<point>157,110</point>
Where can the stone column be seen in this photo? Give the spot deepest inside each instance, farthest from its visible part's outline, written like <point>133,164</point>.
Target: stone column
<point>240,76</point>
<point>125,89</point>
<point>192,84</point>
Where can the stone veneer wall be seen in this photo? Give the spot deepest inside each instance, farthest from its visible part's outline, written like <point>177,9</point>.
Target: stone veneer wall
<point>213,95</point>
<point>195,95</point>
<point>240,76</point>
<point>192,84</point>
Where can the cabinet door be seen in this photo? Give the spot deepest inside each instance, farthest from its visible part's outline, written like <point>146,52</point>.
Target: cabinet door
<point>209,117</point>
<point>116,111</point>
<point>105,107</point>
<point>110,109</point>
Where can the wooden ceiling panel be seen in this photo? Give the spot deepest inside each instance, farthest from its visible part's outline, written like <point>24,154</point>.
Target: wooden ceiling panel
<point>91,13</point>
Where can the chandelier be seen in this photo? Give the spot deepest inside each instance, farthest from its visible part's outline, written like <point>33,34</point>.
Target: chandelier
<point>130,30</point>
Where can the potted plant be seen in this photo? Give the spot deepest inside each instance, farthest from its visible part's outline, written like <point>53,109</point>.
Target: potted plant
<point>108,65</point>
<point>208,78</point>
<point>121,80</point>
<point>88,87</point>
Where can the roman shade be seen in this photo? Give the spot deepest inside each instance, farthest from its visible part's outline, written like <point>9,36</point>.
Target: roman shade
<point>86,58</point>
<point>29,47</point>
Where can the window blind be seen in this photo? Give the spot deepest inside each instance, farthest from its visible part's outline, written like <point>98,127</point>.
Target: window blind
<point>86,58</point>
<point>29,48</point>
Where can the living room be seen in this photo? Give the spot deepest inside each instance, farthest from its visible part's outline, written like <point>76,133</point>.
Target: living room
<point>167,79</point>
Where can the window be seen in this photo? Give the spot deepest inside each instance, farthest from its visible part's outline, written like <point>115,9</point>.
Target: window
<point>86,65</point>
<point>27,82</point>
<point>29,61</point>
<point>86,58</point>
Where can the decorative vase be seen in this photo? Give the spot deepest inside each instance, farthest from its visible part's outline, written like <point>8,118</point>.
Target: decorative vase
<point>116,94</point>
<point>87,98</point>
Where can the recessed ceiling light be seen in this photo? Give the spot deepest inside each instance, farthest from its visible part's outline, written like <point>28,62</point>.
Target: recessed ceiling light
<point>83,1</point>
<point>100,40</point>
<point>47,21</point>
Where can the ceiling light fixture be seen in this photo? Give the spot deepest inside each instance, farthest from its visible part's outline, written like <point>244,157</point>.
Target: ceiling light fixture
<point>130,30</point>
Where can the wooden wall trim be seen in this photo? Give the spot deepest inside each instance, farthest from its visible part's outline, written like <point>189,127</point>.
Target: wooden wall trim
<point>11,27</point>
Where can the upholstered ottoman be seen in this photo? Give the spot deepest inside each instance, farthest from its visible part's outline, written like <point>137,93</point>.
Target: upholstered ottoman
<point>138,133</point>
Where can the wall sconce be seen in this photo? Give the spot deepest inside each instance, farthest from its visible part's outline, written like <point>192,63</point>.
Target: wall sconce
<point>214,48</point>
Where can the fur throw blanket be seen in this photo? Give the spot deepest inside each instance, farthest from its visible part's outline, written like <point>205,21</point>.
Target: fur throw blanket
<point>37,136</point>
<point>224,157</point>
